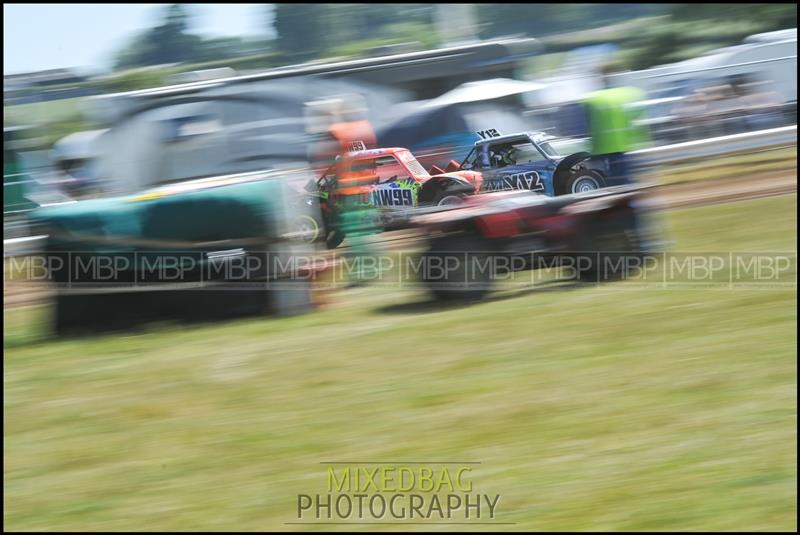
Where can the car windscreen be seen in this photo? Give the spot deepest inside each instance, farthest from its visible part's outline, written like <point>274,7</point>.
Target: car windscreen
<point>527,152</point>
<point>549,150</point>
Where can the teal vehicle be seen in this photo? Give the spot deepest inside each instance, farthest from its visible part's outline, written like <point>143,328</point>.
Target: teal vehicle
<point>205,248</point>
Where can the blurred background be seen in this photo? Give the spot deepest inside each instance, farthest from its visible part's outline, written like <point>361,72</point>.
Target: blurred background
<point>670,410</point>
<point>426,76</point>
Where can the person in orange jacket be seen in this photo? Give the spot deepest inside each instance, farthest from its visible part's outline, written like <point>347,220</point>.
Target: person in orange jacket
<point>360,219</point>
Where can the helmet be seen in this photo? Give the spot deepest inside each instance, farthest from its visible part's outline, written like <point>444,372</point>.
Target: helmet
<point>509,156</point>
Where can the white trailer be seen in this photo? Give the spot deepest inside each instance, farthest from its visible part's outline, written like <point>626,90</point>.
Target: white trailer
<point>770,60</point>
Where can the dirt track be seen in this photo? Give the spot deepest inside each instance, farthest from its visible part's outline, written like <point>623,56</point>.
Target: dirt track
<point>695,193</point>
<point>702,192</point>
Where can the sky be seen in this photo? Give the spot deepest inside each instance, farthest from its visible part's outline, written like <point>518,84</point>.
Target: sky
<point>85,36</point>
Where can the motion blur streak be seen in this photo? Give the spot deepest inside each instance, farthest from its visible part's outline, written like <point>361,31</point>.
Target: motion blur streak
<point>532,266</point>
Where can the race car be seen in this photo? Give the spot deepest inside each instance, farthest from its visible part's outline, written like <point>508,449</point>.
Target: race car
<point>196,249</point>
<point>394,181</point>
<point>529,161</point>
<point>593,236</point>
<point>391,180</point>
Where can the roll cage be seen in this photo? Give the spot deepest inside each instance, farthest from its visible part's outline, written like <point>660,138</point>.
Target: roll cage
<point>477,157</point>
<point>367,165</point>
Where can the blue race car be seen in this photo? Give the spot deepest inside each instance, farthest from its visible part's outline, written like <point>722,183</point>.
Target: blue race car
<point>528,161</point>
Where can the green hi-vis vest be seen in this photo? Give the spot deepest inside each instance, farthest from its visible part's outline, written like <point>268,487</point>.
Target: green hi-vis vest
<point>611,120</point>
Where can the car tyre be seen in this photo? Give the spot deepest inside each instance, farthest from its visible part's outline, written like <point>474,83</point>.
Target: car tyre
<point>461,254</point>
<point>334,239</point>
<point>445,198</point>
<point>606,251</point>
<point>583,181</point>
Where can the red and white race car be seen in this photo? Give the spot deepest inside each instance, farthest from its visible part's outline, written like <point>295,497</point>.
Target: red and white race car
<point>393,178</point>
<point>392,181</point>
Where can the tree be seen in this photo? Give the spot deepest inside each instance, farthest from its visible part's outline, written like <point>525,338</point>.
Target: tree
<point>301,28</point>
<point>172,42</point>
<point>169,42</point>
<point>770,15</point>
<point>538,20</point>
<point>310,30</point>
<point>659,47</point>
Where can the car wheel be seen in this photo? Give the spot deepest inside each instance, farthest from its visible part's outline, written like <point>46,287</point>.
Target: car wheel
<point>608,248</point>
<point>584,181</point>
<point>306,229</point>
<point>334,239</point>
<point>449,199</point>
<point>456,267</point>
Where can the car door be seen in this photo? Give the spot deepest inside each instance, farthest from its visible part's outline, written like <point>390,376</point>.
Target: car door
<point>394,187</point>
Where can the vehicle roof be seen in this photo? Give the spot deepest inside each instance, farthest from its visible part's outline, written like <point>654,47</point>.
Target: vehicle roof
<point>538,137</point>
<point>509,48</point>
<point>370,153</point>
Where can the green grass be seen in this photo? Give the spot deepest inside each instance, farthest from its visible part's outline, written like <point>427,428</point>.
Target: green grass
<point>783,159</point>
<point>44,112</point>
<point>53,119</point>
<point>601,408</point>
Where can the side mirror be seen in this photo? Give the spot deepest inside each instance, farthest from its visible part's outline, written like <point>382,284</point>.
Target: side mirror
<point>453,166</point>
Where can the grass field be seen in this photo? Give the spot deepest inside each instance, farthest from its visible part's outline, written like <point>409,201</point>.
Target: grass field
<point>53,119</point>
<point>44,112</point>
<point>620,407</point>
<point>756,163</point>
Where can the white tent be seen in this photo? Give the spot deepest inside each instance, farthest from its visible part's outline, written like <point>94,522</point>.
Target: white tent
<point>563,90</point>
<point>485,90</point>
<point>534,94</point>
